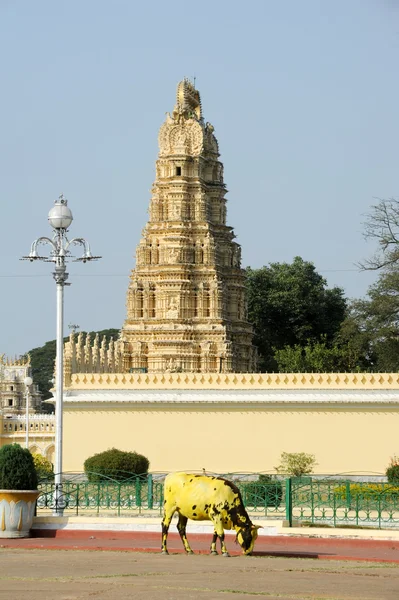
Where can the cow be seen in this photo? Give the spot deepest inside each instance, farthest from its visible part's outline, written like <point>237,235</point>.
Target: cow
<point>201,498</point>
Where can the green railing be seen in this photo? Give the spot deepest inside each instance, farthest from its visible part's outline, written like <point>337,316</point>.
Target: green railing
<point>307,500</point>
<point>140,493</point>
<point>143,494</point>
<point>342,503</point>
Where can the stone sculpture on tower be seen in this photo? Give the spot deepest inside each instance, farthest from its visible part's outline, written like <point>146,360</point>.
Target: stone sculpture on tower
<point>186,308</point>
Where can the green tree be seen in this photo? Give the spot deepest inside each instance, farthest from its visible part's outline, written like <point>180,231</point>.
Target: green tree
<point>289,305</point>
<point>315,357</point>
<point>296,463</point>
<point>43,360</point>
<point>375,323</point>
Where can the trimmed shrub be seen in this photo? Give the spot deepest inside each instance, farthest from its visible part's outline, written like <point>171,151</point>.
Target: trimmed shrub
<point>392,471</point>
<point>266,491</point>
<point>115,464</point>
<point>17,469</point>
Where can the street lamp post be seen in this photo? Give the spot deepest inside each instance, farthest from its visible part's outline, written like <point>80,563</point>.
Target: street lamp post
<point>28,382</point>
<point>60,218</point>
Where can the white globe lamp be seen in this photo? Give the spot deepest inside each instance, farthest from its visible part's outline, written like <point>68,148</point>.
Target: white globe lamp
<point>60,216</point>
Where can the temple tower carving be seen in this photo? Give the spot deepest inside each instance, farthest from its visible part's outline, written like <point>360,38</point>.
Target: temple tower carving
<point>186,307</point>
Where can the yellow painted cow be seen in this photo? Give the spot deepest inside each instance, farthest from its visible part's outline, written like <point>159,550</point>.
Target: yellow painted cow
<point>201,498</point>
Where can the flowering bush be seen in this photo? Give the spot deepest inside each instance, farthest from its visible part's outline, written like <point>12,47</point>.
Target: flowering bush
<point>43,466</point>
<point>367,491</point>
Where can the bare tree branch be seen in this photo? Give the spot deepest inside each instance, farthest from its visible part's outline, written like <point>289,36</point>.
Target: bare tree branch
<point>382,224</point>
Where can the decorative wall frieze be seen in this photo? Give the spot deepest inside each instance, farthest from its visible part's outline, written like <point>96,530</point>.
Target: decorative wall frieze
<point>235,381</point>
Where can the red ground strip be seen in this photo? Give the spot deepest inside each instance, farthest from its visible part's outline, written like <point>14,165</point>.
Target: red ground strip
<point>140,541</point>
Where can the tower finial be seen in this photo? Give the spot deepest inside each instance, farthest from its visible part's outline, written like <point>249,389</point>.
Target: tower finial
<point>188,100</point>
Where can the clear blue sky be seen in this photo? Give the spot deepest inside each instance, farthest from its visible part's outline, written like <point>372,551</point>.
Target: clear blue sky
<point>303,97</point>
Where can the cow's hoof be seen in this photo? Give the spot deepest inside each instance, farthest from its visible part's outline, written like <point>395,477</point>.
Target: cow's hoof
<point>189,552</point>
<point>225,554</point>
<point>214,553</point>
<point>164,552</point>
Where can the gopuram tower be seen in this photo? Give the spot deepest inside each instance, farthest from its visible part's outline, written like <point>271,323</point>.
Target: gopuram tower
<point>186,307</point>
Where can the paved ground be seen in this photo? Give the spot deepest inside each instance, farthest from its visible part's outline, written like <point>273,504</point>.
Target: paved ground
<point>104,575</point>
<point>266,546</point>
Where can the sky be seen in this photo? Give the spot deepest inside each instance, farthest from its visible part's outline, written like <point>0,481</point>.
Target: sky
<point>303,97</point>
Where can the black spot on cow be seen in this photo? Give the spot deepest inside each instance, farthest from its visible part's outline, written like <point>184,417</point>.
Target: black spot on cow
<point>190,480</point>
<point>194,506</point>
<point>194,514</point>
<point>246,534</point>
<point>214,489</point>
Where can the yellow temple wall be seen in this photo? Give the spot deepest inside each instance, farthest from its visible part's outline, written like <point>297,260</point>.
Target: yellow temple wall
<point>234,436</point>
<point>223,441</point>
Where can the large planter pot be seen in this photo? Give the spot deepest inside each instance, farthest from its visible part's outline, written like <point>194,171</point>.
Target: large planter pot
<point>17,509</point>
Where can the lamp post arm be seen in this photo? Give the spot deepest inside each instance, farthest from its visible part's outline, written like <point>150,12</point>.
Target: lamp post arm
<point>41,240</point>
<point>81,242</point>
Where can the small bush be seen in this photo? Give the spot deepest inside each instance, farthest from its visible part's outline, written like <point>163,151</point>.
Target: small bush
<point>392,471</point>
<point>115,464</point>
<point>43,466</point>
<point>266,491</point>
<point>17,469</point>
<point>296,464</point>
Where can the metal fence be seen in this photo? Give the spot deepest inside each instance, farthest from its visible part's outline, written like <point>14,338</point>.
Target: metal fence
<point>143,494</point>
<point>307,500</point>
<point>342,503</point>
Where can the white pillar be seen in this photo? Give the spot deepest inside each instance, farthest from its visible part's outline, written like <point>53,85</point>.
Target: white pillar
<point>27,381</point>
<point>60,277</point>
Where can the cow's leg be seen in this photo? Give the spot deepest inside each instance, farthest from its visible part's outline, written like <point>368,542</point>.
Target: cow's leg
<point>167,518</point>
<point>181,527</point>
<point>219,531</point>
<point>213,545</point>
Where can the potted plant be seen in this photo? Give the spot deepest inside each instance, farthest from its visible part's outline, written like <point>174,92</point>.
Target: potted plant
<point>18,491</point>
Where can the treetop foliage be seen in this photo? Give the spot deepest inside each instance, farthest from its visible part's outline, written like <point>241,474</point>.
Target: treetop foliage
<point>289,305</point>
